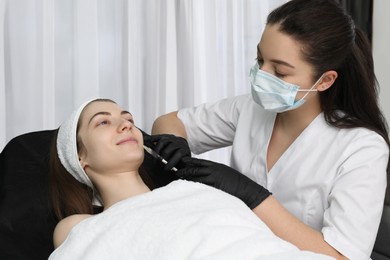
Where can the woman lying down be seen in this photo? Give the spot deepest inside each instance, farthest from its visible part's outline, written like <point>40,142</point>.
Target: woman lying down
<point>99,154</point>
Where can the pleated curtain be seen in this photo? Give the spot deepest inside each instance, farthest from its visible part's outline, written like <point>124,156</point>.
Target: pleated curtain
<point>150,56</point>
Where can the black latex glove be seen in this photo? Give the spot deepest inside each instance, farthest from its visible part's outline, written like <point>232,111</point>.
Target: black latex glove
<point>151,170</point>
<point>224,178</point>
<point>147,139</point>
<point>172,148</point>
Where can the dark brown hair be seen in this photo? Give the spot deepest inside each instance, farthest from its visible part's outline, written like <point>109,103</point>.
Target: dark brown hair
<point>68,195</point>
<point>331,41</point>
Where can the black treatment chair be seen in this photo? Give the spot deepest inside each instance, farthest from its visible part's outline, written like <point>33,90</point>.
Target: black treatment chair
<point>26,216</point>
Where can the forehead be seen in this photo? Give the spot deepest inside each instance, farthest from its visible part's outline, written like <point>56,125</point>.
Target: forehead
<point>278,45</point>
<point>99,106</point>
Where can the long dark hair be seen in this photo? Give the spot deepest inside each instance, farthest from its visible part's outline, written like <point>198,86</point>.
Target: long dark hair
<point>332,42</point>
<point>68,195</point>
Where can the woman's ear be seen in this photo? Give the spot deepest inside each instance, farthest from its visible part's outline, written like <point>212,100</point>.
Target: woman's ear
<point>327,80</point>
<point>83,160</point>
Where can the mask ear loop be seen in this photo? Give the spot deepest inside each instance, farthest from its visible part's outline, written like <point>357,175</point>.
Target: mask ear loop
<point>311,89</point>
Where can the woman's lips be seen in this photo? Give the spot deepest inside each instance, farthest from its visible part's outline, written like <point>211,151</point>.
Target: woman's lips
<point>127,140</point>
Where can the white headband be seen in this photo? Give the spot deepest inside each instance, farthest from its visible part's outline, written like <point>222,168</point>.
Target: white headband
<point>67,150</point>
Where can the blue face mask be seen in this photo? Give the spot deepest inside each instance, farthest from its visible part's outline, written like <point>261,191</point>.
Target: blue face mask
<point>274,94</point>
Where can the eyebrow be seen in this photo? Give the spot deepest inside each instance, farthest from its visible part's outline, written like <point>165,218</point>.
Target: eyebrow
<point>280,62</point>
<point>124,112</point>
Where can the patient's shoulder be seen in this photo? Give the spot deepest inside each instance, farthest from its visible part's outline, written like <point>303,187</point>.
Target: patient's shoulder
<point>63,227</point>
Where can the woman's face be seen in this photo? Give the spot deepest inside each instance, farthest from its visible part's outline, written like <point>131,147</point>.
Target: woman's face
<point>280,55</point>
<point>110,142</point>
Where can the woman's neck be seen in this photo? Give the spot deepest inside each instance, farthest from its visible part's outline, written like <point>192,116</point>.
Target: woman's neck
<point>295,121</point>
<point>120,186</point>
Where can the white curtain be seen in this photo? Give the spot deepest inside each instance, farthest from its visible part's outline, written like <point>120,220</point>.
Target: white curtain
<point>150,56</point>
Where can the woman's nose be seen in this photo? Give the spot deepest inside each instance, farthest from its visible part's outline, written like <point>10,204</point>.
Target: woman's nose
<point>125,125</point>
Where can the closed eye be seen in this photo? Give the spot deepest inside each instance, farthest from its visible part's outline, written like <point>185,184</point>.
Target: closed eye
<point>279,75</point>
<point>103,122</point>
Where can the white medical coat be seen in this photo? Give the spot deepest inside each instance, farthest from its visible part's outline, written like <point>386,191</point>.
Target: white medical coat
<point>332,179</point>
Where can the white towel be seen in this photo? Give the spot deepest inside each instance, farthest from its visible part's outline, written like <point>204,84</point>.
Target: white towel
<point>184,220</point>
<point>67,149</point>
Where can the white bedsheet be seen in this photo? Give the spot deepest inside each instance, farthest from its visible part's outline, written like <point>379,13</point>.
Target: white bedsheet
<point>183,220</point>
